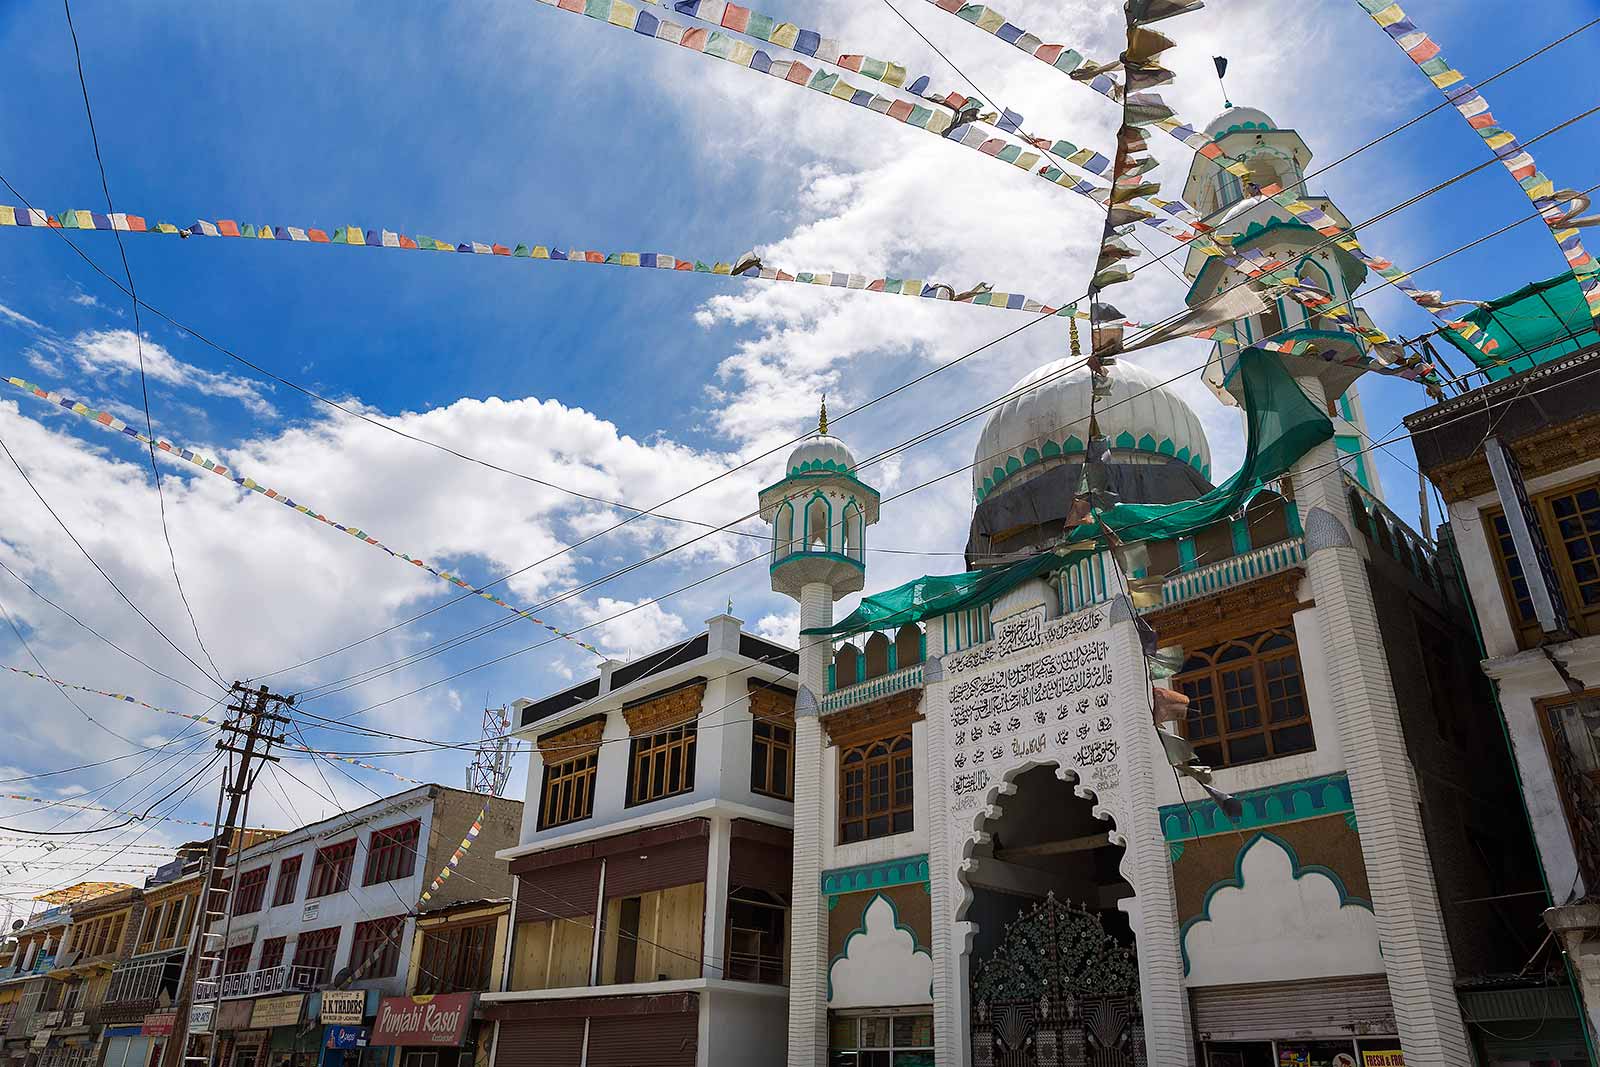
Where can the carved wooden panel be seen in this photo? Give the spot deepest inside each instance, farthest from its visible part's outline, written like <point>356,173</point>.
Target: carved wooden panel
<point>771,704</point>
<point>665,711</point>
<point>1244,609</point>
<point>574,742</point>
<point>874,719</point>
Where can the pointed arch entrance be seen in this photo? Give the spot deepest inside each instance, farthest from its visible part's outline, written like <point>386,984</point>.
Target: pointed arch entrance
<point>1053,972</point>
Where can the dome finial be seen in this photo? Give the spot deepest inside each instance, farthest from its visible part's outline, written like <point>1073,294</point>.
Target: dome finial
<point>822,418</point>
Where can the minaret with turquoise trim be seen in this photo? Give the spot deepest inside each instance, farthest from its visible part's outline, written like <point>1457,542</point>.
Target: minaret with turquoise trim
<point>818,513</point>
<point>1242,219</point>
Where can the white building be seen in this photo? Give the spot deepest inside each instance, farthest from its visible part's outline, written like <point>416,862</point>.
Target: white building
<point>1517,461</point>
<point>994,864</point>
<point>332,904</point>
<point>652,878</point>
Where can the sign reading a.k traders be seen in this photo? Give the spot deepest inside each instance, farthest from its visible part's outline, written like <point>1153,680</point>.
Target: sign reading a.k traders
<point>436,1020</point>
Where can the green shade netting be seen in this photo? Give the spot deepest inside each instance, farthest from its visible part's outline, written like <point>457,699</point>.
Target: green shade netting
<point>1281,426</point>
<point>1552,312</point>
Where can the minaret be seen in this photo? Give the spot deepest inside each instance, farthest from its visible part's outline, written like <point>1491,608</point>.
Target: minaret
<point>818,513</point>
<point>1383,787</point>
<point>1242,219</point>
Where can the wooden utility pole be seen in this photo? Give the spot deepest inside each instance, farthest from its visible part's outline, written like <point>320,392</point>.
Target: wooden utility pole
<point>251,723</point>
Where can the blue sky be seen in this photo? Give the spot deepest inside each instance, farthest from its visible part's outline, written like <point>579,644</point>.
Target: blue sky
<point>511,121</point>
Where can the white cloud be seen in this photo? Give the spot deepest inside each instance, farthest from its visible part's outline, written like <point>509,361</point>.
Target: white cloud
<point>118,352</point>
<point>83,299</point>
<point>1279,923</point>
<point>782,627</point>
<point>881,964</point>
<point>644,629</point>
<point>18,318</point>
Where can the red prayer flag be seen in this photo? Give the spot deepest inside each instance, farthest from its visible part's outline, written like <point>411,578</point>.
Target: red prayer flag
<point>736,18</point>
<point>317,235</point>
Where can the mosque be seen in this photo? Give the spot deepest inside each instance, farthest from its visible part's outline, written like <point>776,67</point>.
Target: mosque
<point>954,805</point>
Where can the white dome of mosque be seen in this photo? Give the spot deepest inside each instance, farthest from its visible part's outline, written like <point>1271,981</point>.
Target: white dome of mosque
<point>1239,118</point>
<point>820,452</point>
<point>1049,417</point>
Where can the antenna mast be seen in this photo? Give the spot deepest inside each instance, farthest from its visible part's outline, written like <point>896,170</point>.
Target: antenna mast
<point>491,763</point>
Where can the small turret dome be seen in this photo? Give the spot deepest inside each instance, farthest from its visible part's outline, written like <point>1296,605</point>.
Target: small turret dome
<point>820,452</point>
<point>1239,118</point>
<point>1049,417</point>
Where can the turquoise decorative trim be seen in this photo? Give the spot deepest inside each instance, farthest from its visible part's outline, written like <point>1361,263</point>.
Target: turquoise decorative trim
<point>827,523</point>
<point>1174,850</point>
<point>1256,228</point>
<point>1270,806</point>
<point>907,870</point>
<point>817,555</point>
<point>1237,882</point>
<point>1074,446</point>
<point>1236,127</point>
<point>806,476</point>
<point>844,947</point>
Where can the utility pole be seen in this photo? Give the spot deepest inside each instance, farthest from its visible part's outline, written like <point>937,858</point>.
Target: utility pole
<point>252,722</point>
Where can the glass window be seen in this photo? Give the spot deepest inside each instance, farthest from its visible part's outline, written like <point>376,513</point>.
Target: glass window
<point>895,1040</point>
<point>1570,520</point>
<point>316,949</point>
<point>662,764</point>
<point>876,789</point>
<point>1247,700</point>
<point>288,882</point>
<point>392,853</point>
<point>252,891</point>
<point>330,871</point>
<point>771,758</point>
<point>271,952</point>
<point>375,949</point>
<point>568,791</point>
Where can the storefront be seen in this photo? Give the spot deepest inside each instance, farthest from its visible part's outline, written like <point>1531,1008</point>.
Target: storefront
<point>126,1046</point>
<point>426,1031</point>
<point>157,1030</point>
<point>1330,1022</point>
<point>345,1035</point>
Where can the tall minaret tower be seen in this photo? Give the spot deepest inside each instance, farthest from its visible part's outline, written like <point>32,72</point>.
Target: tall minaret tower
<point>818,512</point>
<point>1383,786</point>
<point>1243,219</point>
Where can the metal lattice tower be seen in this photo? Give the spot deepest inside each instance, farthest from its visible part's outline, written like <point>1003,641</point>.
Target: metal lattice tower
<point>491,765</point>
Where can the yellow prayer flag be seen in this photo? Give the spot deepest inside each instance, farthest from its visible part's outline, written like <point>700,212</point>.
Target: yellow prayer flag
<point>1499,140</point>
<point>628,259</point>
<point>894,75</point>
<point>784,34</point>
<point>743,52</point>
<point>991,20</point>
<point>1388,16</point>
<point>1027,160</point>
<point>623,14</point>
<point>539,252</point>
<point>1447,79</point>
<point>1543,189</point>
<point>722,268</point>
<point>85,220</point>
<point>842,89</point>
<point>8,215</point>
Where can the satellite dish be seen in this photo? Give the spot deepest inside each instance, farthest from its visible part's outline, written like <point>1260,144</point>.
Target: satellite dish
<point>17,924</point>
<point>342,977</point>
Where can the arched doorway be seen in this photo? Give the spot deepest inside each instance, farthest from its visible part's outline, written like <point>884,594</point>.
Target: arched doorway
<point>1053,974</point>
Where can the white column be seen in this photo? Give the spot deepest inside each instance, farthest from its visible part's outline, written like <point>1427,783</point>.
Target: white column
<point>1153,910</point>
<point>951,940</point>
<point>716,932</point>
<point>808,950</point>
<point>1411,930</point>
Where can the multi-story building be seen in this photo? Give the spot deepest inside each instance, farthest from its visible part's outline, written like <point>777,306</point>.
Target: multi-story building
<point>102,934</point>
<point>332,905</point>
<point>652,880</point>
<point>995,860</point>
<point>1517,462</point>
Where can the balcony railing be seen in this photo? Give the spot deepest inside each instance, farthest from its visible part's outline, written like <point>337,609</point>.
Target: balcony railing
<point>136,982</point>
<point>1236,570</point>
<point>873,688</point>
<point>280,979</point>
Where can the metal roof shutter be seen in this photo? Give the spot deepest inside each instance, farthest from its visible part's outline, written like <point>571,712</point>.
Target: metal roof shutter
<point>558,892</point>
<point>656,867</point>
<point>1318,1007</point>
<point>657,1040</point>
<point>540,1043</point>
<point>760,865</point>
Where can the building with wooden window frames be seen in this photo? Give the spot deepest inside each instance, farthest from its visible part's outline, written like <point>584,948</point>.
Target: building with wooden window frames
<point>652,882</point>
<point>1517,462</point>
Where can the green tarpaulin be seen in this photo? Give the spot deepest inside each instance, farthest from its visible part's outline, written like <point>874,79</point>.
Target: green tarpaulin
<point>1281,426</point>
<point>1549,313</point>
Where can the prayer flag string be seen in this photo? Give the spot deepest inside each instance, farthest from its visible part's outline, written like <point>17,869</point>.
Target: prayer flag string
<point>111,422</point>
<point>1097,76</point>
<point>139,815</point>
<point>455,857</point>
<point>126,699</point>
<point>1557,207</point>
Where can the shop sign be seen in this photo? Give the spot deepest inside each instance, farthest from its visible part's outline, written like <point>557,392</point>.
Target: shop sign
<point>346,1037</point>
<point>1386,1058</point>
<point>235,1014</point>
<point>277,1011</point>
<point>160,1024</point>
<point>41,1039</point>
<point>311,911</point>
<point>437,1020</point>
<point>343,1007</point>
<point>200,1018</point>
<point>53,1019</point>
<point>241,935</point>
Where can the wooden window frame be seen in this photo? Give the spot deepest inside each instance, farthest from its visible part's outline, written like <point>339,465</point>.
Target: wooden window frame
<point>457,958</point>
<point>252,891</point>
<point>651,756</point>
<point>330,869</point>
<point>288,886</point>
<point>272,950</point>
<point>1218,744</point>
<point>392,853</point>
<point>322,948</point>
<point>567,793</point>
<point>376,940</point>
<point>767,740</point>
<point>1585,621</point>
<point>234,956</point>
<point>889,759</point>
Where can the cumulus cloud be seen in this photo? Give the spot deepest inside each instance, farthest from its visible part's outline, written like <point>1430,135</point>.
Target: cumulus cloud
<point>117,353</point>
<point>17,318</point>
<point>645,628</point>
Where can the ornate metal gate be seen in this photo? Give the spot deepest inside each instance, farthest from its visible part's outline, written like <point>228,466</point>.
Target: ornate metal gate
<point>1058,992</point>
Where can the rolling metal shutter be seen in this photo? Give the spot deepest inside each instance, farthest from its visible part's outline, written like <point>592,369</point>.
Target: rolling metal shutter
<point>656,867</point>
<point>558,892</point>
<point>754,864</point>
<point>540,1043</point>
<point>1318,1007</point>
<point>657,1040</point>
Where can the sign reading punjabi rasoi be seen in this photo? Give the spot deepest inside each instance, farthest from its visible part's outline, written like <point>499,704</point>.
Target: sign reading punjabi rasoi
<point>436,1020</point>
